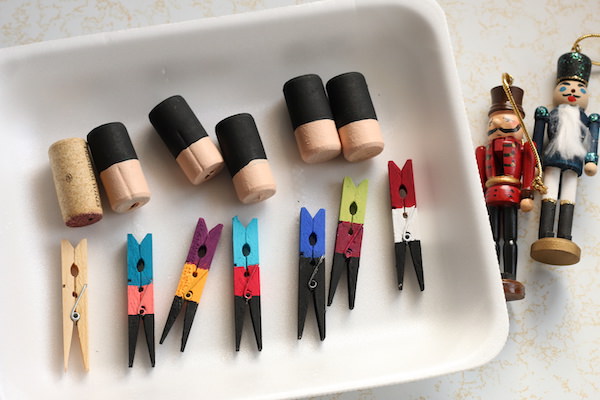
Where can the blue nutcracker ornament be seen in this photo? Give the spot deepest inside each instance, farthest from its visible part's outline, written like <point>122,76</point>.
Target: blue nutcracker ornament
<point>567,138</point>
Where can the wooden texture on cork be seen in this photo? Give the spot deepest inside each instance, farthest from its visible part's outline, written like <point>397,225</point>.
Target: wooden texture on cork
<point>75,182</point>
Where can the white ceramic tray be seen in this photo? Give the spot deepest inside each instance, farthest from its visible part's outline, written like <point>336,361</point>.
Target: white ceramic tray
<point>223,66</point>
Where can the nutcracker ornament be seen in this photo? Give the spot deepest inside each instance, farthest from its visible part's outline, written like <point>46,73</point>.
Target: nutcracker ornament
<point>567,138</point>
<point>507,171</point>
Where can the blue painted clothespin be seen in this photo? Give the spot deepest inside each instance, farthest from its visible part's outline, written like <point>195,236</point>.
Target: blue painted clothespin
<point>140,293</point>
<point>246,278</point>
<point>311,277</point>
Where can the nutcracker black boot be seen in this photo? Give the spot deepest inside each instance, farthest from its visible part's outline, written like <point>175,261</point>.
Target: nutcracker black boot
<point>509,222</point>
<point>494,215</point>
<point>547,218</point>
<point>510,260</point>
<point>565,221</point>
<point>513,289</point>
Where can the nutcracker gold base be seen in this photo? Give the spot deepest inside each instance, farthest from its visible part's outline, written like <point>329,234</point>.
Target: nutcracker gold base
<point>513,290</point>
<point>555,251</point>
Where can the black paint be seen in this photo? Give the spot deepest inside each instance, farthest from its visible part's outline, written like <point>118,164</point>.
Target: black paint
<point>350,99</point>
<point>341,263</point>
<point>176,124</point>
<point>309,272</point>
<point>306,100</point>
<point>255,315</point>
<point>240,141</point>
<point>400,250</point>
<point>110,144</point>
<point>133,328</point>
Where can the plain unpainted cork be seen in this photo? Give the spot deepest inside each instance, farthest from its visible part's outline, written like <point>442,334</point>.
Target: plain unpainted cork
<point>75,182</point>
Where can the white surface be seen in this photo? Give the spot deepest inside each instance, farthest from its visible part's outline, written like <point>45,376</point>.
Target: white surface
<point>224,66</point>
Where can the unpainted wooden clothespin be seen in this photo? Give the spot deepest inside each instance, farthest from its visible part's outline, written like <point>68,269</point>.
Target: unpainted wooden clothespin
<point>74,298</point>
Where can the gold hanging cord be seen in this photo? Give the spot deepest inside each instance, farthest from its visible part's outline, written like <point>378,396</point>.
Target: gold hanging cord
<point>538,182</point>
<point>579,39</point>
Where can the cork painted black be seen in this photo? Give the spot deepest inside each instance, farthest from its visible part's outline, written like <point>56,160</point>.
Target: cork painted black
<point>110,144</point>
<point>239,141</point>
<point>176,124</point>
<point>350,99</point>
<point>306,100</point>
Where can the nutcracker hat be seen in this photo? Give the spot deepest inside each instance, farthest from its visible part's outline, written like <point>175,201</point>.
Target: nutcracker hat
<point>501,103</point>
<point>573,66</point>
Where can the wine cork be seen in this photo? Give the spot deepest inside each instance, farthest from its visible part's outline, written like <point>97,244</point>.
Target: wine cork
<point>245,158</point>
<point>355,118</point>
<point>186,139</point>
<point>314,128</point>
<point>118,166</point>
<point>75,182</point>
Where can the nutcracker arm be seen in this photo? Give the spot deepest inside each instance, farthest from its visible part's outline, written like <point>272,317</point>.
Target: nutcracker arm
<point>539,127</point>
<point>529,165</point>
<point>592,155</point>
<point>480,156</point>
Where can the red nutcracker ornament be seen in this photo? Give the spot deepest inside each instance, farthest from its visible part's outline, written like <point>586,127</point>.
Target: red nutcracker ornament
<point>507,169</point>
<point>568,140</point>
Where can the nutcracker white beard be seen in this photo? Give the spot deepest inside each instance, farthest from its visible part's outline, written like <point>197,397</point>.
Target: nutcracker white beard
<point>567,141</point>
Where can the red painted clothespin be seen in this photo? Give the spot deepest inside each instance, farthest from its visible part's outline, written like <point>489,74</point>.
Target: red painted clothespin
<point>404,218</point>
